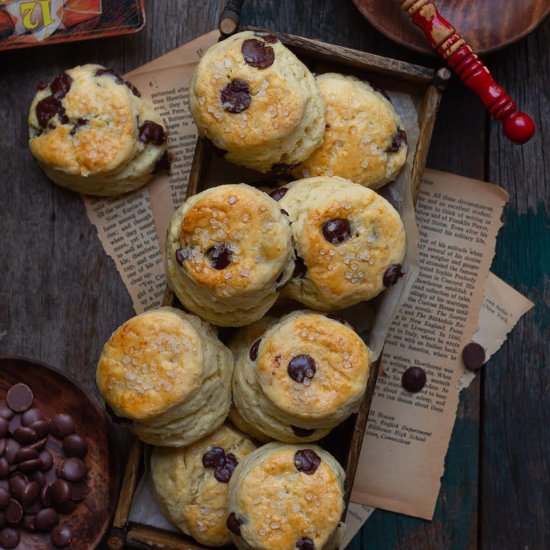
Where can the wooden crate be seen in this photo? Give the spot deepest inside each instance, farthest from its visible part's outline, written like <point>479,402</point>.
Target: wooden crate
<point>425,86</point>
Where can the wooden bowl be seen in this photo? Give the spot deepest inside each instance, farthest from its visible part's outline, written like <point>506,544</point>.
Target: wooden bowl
<point>486,25</point>
<point>54,393</point>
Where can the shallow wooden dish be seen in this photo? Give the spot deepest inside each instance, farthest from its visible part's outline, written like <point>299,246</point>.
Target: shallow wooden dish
<point>53,393</point>
<point>345,441</point>
<point>486,25</point>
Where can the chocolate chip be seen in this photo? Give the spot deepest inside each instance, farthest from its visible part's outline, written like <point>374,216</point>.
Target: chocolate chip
<point>25,435</point>
<point>41,427</point>
<point>59,492</point>
<point>2,446</point>
<point>392,275</point>
<point>268,37</point>
<point>75,445</point>
<point>219,256</point>
<point>257,54</point>
<point>235,96</point>
<point>164,164</point>
<point>151,132</point>
<point>214,458</point>
<point>5,411</point>
<point>61,85</point>
<point>61,536</point>
<point>282,169</point>
<point>45,495</point>
<point>9,538</point>
<point>300,268</point>
<point>26,453</point>
<point>301,432</point>
<point>253,353</point>
<point>78,490</point>
<point>30,465</point>
<point>305,543</point>
<point>278,194</point>
<point>29,522</point>
<point>63,118</point>
<point>31,416</point>
<point>337,230</point>
<point>19,398</point>
<point>38,477</point>
<point>301,368</point>
<point>46,109</point>
<point>73,469</point>
<point>79,123</point>
<point>14,423</point>
<point>41,85</point>
<point>398,139</point>
<point>18,482</point>
<point>4,424</point>
<point>11,450</point>
<point>307,461</point>
<point>4,498</point>
<point>182,254</point>
<point>473,356</point>
<point>4,468</point>
<point>46,519</point>
<point>132,88</point>
<point>13,512</point>
<point>223,474</point>
<point>62,425</point>
<point>111,72</point>
<point>234,524</point>
<point>30,493</point>
<point>413,379</point>
<point>47,460</point>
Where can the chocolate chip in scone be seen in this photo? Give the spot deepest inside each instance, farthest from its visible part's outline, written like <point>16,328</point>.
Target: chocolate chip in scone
<point>305,543</point>
<point>183,254</point>
<point>235,96</point>
<point>219,256</point>
<point>300,268</point>
<point>41,85</point>
<point>392,275</point>
<point>61,85</point>
<point>164,164</point>
<point>132,88</point>
<point>301,432</point>
<point>79,123</point>
<point>284,212</point>
<point>337,230</point>
<point>214,458</point>
<point>151,132</point>
<point>413,379</point>
<point>19,398</point>
<point>278,194</point>
<point>223,473</point>
<point>253,353</point>
<point>399,138</point>
<point>302,368</point>
<point>46,109</point>
<point>268,37</point>
<point>234,524</point>
<point>473,356</point>
<point>119,80</point>
<point>257,54</point>
<point>307,461</point>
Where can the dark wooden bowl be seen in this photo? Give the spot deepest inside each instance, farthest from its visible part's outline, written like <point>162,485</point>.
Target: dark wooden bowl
<point>486,25</point>
<point>53,393</point>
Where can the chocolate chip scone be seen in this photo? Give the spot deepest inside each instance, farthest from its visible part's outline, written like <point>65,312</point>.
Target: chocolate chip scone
<point>228,253</point>
<point>91,132</point>
<point>287,497</point>
<point>257,102</point>
<point>300,377</point>
<point>349,241</point>
<point>191,483</point>
<point>167,373</point>
<point>364,139</point>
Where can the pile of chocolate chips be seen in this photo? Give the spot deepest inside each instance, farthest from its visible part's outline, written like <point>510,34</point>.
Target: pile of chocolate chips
<point>42,472</point>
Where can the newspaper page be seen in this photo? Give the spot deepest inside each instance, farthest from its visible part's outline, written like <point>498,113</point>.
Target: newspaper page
<point>402,457</point>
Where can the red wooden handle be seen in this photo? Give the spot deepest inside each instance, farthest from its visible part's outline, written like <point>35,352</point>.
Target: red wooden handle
<point>518,127</point>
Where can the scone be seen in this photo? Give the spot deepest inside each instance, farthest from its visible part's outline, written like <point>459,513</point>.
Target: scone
<point>349,241</point>
<point>190,483</point>
<point>301,377</point>
<point>287,497</point>
<point>256,101</point>
<point>168,373</point>
<point>228,252</point>
<point>364,139</point>
<point>91,131</point>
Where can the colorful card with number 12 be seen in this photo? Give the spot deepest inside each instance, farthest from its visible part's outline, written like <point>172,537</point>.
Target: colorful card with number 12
<point>33,23</point>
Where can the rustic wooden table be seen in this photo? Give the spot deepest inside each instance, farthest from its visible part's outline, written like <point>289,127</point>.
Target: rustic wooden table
<point>61,297</point>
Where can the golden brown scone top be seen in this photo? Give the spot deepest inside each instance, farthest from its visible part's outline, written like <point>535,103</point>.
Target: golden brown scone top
<point>238,227</point>
<point>151,363</point>
<point>337,359</point>
<point>107,139</point>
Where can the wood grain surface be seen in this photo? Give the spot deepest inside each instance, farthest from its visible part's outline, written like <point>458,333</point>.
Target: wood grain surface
<point>486,25</point>
<point>61,297</point>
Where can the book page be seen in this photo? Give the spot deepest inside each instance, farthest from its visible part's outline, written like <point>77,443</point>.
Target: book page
<point>402,457</point>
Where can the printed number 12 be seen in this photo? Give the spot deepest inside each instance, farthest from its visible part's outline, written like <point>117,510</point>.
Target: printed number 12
<point>27,9</point>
